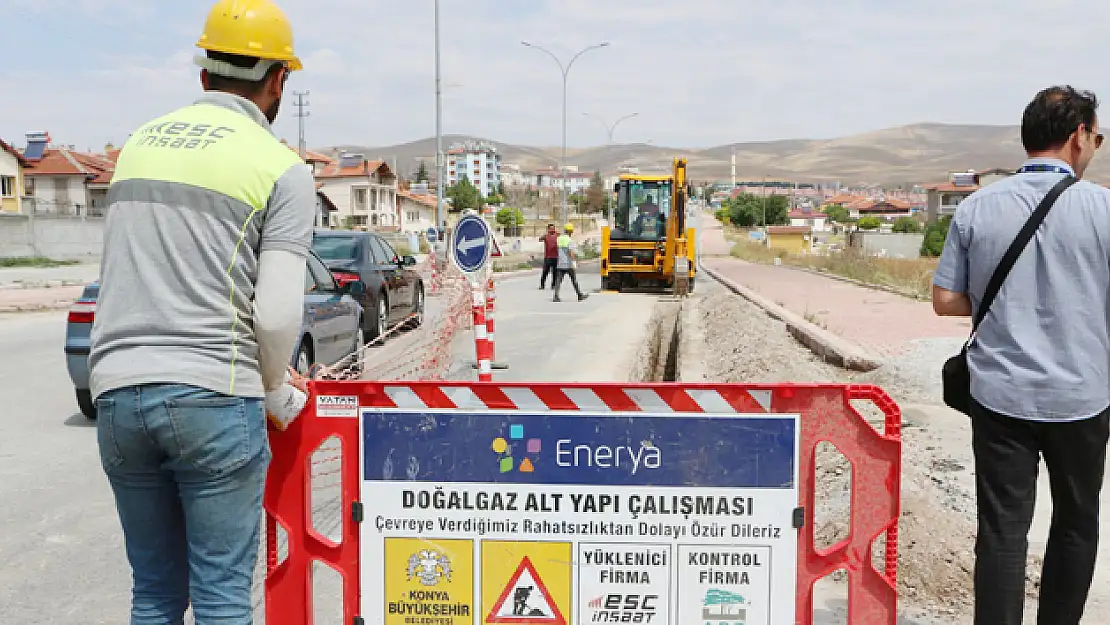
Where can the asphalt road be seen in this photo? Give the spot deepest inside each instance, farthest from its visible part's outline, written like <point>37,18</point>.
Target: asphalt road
<point>61,548</point>
<point>543,341</point>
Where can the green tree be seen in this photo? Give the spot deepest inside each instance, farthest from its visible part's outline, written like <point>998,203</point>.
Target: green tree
<point>578,200</point>
<point>935,235</point>
<point>906,225</point>
<point>747,210</point>
<point>510,217</point>
<point>463,195</point>
<point>595,195</point>
<point>837,213</point>
<point>869,222</point>
<point>422,173</point>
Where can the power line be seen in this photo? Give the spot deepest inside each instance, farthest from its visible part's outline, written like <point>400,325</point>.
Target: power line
<point>302,113</point>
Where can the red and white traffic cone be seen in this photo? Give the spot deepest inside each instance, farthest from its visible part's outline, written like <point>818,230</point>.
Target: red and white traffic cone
<point>481,341</point>
<point>490,297</point>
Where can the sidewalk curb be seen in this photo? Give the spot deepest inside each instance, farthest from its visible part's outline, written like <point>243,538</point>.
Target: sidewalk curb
<point>830,347</point>
<point>20,285</point>
<point>21,308</point>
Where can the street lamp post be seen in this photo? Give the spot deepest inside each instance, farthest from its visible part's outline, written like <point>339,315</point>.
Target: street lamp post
<point>565,70</point>
<point>439,137</point>
<point>609,128</point>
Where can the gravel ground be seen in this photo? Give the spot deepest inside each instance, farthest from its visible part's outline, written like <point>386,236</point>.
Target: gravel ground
<point>936,530</point>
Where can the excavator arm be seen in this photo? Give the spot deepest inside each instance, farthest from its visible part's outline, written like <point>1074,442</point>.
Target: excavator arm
<point>676,231</point>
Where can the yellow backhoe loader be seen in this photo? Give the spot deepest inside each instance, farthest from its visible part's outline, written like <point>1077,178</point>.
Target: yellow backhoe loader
<point>646,243</point>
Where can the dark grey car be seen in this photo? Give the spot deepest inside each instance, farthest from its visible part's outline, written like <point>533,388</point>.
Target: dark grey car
<point>394,290</point>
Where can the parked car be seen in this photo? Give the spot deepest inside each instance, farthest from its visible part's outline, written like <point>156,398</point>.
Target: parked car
<point>332,328</point>
<point>394,291</point>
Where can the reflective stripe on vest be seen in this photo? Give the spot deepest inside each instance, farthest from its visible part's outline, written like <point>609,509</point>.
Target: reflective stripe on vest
<point>210,147</point>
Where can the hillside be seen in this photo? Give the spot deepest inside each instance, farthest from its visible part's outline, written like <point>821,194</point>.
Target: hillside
<point>902,155</point>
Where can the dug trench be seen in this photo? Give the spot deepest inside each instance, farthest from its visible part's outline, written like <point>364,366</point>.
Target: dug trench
<point>716,336</point>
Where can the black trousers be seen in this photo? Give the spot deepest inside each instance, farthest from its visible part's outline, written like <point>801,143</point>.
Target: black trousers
<point>1007,456</point>
<point>550,265</point>
<point>562,273</point>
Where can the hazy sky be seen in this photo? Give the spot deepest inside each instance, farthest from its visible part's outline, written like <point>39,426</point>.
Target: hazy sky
<point>699,72</point>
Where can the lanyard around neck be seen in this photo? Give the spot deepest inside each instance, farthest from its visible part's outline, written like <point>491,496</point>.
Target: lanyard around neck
<point>1045,167</point>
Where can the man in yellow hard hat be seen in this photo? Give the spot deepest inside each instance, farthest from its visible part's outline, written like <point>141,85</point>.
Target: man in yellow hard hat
<point>200,305</point>
<point>568,262</point>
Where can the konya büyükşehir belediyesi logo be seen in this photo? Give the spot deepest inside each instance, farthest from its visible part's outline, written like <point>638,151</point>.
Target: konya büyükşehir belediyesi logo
<point>506,450</point>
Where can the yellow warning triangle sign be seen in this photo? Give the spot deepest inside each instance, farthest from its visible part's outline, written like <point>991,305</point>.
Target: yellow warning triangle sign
<point>526,600</point>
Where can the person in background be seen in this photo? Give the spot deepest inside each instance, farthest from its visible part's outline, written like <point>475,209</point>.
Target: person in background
<point>201,301</point>
<point>550,242</point>
<point>1039,361</point>
<point>568,263</point>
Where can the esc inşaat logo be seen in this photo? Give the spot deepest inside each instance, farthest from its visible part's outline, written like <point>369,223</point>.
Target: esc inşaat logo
<point>429,566</point>
<point>527,449</point>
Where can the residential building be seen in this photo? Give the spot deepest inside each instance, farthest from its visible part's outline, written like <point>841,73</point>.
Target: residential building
<point>887,209</point>
<point>364,192</point>
<point>327,213</point>
<point>63,181</point>
<point>574,181</point>
<point>791,239</point>
<point>12,189</point>
<point>479,161</point>
<point>512,176</point>
<point>943,198</point>
<point>417,210</point>
<point>316,160</point>
<point>812,219</point>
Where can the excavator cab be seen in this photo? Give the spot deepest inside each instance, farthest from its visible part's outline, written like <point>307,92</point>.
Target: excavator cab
<point>645,242</point>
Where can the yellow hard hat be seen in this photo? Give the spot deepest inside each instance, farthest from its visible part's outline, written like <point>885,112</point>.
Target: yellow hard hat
<point>254,28</point>
<point>569,227</point>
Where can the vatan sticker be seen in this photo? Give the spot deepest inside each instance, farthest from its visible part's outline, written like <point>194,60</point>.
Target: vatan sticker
<point>337,406</point>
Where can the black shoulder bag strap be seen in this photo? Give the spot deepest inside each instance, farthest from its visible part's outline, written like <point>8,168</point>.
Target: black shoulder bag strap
<point>1015,250</point>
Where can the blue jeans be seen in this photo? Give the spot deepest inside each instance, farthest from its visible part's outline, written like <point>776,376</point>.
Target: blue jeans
<point>187,467</point>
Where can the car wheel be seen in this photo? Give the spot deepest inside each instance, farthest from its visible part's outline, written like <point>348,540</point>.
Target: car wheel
<point>86,404</point>
<point>379,319</point>
<point>360,342</point>
<point>304,358</point>
<point>417,307</point>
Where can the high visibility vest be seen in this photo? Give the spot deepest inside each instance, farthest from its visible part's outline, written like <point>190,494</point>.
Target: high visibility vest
<point>211,147</point>
<point>210,170</point>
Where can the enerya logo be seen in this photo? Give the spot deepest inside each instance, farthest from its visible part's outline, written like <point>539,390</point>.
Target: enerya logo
<point>625,457</point>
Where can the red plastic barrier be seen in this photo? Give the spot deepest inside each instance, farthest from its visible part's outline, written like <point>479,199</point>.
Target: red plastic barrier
<point>288,502</point>
<point>826,413</point>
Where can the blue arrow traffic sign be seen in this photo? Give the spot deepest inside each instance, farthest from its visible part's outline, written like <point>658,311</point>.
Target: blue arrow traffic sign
<point>471,244</point>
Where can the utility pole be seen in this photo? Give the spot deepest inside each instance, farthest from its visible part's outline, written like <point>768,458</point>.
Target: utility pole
<point>764,220</point>
<point>302,114</point>
<point>439,132</point>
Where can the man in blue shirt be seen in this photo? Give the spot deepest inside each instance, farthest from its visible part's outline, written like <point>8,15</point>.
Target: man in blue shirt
<point>1040,361</point>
